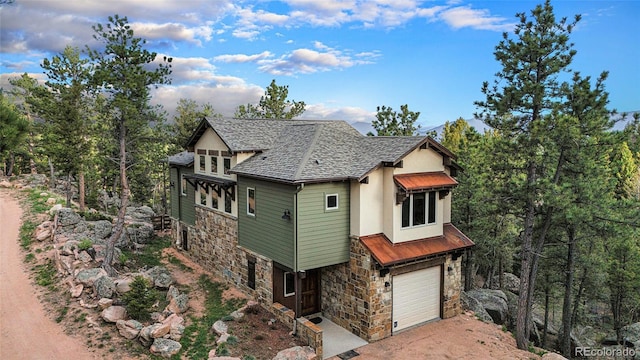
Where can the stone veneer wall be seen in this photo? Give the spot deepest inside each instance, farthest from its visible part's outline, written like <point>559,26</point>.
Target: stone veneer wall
<point>453,283</point>
<point>355,297</point>
<point>213,244</point>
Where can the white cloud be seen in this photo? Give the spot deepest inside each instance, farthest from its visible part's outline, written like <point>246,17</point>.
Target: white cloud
<point>481,19</point>
<point>242,58</point>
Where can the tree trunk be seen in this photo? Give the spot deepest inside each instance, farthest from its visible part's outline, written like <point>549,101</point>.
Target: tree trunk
<point>547,292</point>
<point>468,271</point>
<point>52,175</point>
<point>124,200</point>
<point>12,161</point>
<point>522,315</point>
<point>67,187</point>
<point>565,345</point>
<point>32,162</point>
<point>81,190</point>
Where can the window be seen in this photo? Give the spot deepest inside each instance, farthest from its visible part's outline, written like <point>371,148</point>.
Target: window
<point>214,164</point>
<point>289,284</point>
<point>227,204</point>
<point>183,186</point>
<point>203,196</point>
<point>202,163</point>
<point>214,199</point>
<point>331,202</point>
<point>251,273</point>
<point>251,201</point>
<point>227,165</point>
<point>419,209</point>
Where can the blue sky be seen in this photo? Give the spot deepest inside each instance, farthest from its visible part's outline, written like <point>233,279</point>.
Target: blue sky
<point>343,58</point>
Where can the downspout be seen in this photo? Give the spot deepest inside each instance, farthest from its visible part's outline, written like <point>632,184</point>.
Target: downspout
<point>295,257</point>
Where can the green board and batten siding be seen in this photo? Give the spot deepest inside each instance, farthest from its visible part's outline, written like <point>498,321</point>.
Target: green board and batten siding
<point>182,207</point>
<point>323,235</point>
<point>267,233</point>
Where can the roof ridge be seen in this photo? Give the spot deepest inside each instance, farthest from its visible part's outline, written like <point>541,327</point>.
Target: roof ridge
<point>307,154</point>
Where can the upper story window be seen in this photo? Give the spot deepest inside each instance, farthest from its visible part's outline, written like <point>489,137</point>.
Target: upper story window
<point>203,195</point>
<point>214,199</point>
<point>419,209</point>
<point>251,201</point>
<point>214,164</point>
<point>227,165</point>
<point>203,162</point>
<point>227,204</point>
<point>183,185</point>
<point>331,202</point>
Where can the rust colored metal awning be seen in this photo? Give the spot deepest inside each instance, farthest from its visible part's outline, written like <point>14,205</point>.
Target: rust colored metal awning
<point>386,253</point>
<point>425,181</point>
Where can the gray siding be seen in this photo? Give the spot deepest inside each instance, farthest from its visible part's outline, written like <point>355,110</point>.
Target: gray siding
<point>267,233</point>
<point>323,235</point>
<point>182,207</point>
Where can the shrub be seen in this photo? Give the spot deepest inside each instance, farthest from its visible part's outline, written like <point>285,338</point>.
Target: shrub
<point>140,299</point>
<point>85,244</point>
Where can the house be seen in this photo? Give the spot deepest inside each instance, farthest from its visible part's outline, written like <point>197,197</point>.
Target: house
<point>321,219</point>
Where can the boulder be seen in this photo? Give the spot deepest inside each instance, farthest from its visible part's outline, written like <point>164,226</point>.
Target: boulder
<point>140,232</point>
<point>104,287</point>
<point>114,313</point>
<point>178,304</point>
<point>494,302</point>
<point>145,335</point>
<point>123,285</point>
<point>70,247</point>
<point>5,184</point>
<point>160,277</point>
<point>44,231</point>
<point>143,213</point>
<point>129,328</point>
<point>160,330</point>
<point>469,303</point>
<point>101,229</point>
<point>55,208</point>
<point>165,347</point>
<point>51,201</point>
<point>84,257</point>
<point>104,303</point>
<point>68,217</point>
<point>76,290</point>
<point>88,277</point>
<point>510,282</point>
<point>296,353</point>
<point>220,327</point>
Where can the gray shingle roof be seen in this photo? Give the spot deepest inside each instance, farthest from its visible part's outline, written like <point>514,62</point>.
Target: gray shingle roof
<point>184,158</point>
<point>309,151</point>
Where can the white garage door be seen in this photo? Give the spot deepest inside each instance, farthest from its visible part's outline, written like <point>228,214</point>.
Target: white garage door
<point>416,297</point>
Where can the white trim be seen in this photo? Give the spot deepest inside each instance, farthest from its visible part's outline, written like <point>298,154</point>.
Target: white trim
<point>284,285</point>
<point>427,209</point>
<point>183,185</point>
<point>326,202</point>
<point>254,202</point>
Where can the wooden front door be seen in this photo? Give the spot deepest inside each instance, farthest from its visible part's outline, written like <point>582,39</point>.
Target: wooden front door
<point>310,293</point>
<point>284,290</point>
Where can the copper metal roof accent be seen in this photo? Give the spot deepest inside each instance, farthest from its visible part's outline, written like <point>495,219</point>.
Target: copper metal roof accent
<point>425,181</point>
<point>387,253</point>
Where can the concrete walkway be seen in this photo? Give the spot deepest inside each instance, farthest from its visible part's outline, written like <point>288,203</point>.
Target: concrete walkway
<point>336,339</point>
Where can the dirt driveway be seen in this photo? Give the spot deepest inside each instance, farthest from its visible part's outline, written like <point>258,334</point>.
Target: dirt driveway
<point>460,337</point>
<point>25,330</point>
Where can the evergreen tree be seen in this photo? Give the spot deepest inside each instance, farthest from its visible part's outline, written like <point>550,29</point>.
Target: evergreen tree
<point>122,71</point>
<point>273,105</point>
<point>68,137</point>
<point>13,130</point>
<point>392,123</point>
<point>525,105</point>
<point>188,115</point>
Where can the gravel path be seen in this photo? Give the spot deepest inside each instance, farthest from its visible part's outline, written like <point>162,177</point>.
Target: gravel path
<point>26,332</point>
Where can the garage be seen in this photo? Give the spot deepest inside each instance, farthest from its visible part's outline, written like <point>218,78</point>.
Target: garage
<point>416,297</point>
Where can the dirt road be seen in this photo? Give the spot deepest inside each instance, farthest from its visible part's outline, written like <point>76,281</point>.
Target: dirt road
<point>25,330</point>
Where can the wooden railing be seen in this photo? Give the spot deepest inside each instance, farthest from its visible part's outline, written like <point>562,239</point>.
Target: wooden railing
<point>161,222</point>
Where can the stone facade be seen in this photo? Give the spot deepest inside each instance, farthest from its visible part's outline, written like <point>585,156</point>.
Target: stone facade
<point>356,297</point>
<point>213,244</point>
